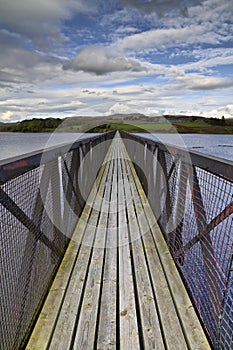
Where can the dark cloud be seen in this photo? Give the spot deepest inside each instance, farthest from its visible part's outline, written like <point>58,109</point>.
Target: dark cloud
<point>100,61</point>
<point>40,21</point>
<point>8,78</point>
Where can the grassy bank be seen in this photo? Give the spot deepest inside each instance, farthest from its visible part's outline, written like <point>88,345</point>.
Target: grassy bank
<point>130,123</point>
<point>182,128</point>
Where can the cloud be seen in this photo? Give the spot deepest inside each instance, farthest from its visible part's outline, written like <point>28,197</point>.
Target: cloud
<point>197,82</point>
<point>120,108</point>
<point>147,99</point>
<point>144,60</point>
<point>200,82</point>
<point>173,37</point>
<point>101,60</point>
<point>226,110</point>
<point>210,58</point>
<point>44,11</point>
<point>41,21</point>
<point>160,7</point>
<point>7,116</point>
<point>202,22</point>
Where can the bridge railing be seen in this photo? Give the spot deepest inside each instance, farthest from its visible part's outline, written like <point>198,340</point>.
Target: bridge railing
<point>192,197</point>
<point>41,197</point>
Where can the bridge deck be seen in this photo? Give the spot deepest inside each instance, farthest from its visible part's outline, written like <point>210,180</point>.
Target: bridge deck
<point>117,286</point>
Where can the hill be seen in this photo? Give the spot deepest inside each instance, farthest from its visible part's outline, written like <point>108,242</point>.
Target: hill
<point>134,122</point>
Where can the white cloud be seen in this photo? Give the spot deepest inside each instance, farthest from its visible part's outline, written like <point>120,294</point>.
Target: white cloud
<point>126,30</point>
<point>183,23</point>
<point>212,58</point>
<point>7,116</point>
<point>200,82</point>
<point>101,60</point>
<point>227,110</point>
<point>161,38</point>
<point>150,100</point>
<point>120,108</point>
<point>197,82</point>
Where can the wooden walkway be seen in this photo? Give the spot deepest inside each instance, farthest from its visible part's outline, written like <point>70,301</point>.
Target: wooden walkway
<point>117,287</point>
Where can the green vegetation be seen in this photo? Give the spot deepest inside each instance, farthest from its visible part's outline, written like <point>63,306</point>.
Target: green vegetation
<point>129,122</point>
<point>33,125</point>
<point>206,126</point>
<point>136,127</point>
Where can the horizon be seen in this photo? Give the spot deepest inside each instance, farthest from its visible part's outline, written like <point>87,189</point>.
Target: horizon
<point>165,117</point>
<point>91,58</point>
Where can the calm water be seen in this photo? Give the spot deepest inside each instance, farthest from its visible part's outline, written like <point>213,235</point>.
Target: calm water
<point>216,145</point>
<point>12,144</point>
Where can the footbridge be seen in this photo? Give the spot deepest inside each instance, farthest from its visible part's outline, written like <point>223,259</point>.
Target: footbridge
<point>116,242</point>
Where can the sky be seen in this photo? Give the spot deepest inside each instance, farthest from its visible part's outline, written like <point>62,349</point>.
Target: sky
<point>64,58</point>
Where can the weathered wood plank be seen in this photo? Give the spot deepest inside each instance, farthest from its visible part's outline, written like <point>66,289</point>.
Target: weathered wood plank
<point>85,333</point>
<point>150,326</point>
<point>107,332</point>
<point>129,338</point>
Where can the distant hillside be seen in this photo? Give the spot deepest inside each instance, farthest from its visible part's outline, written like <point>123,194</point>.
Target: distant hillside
<point>33,125</point>
<point>134,122</point>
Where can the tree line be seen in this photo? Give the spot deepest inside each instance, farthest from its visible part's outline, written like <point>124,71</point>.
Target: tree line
<point>32,125</point>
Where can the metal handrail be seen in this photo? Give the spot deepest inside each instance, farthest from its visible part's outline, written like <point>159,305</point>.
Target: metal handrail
<point>18,165</point>
<point>216,165</point>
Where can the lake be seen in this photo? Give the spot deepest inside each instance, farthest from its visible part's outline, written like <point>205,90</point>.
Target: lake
<point>13,144</point>
<point>216,145</point>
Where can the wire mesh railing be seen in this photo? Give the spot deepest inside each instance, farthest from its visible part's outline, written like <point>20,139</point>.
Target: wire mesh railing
<point>41,197</point>
<point>192,198</point>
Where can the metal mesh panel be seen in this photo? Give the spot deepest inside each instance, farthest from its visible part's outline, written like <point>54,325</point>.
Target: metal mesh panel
<point>205,265</point>
<point>25,262</point>
<point>194,207</point>
<point>39,207</point>
<point>226,327</point>
<point>69,166</point>
<point>213,255</point>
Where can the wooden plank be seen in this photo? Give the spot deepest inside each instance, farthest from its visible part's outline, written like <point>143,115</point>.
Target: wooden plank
<point>152,335</point>
<point>85,334</point>
<point>129,338</point>
<point>193,331</point>
<point>107,332</point>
